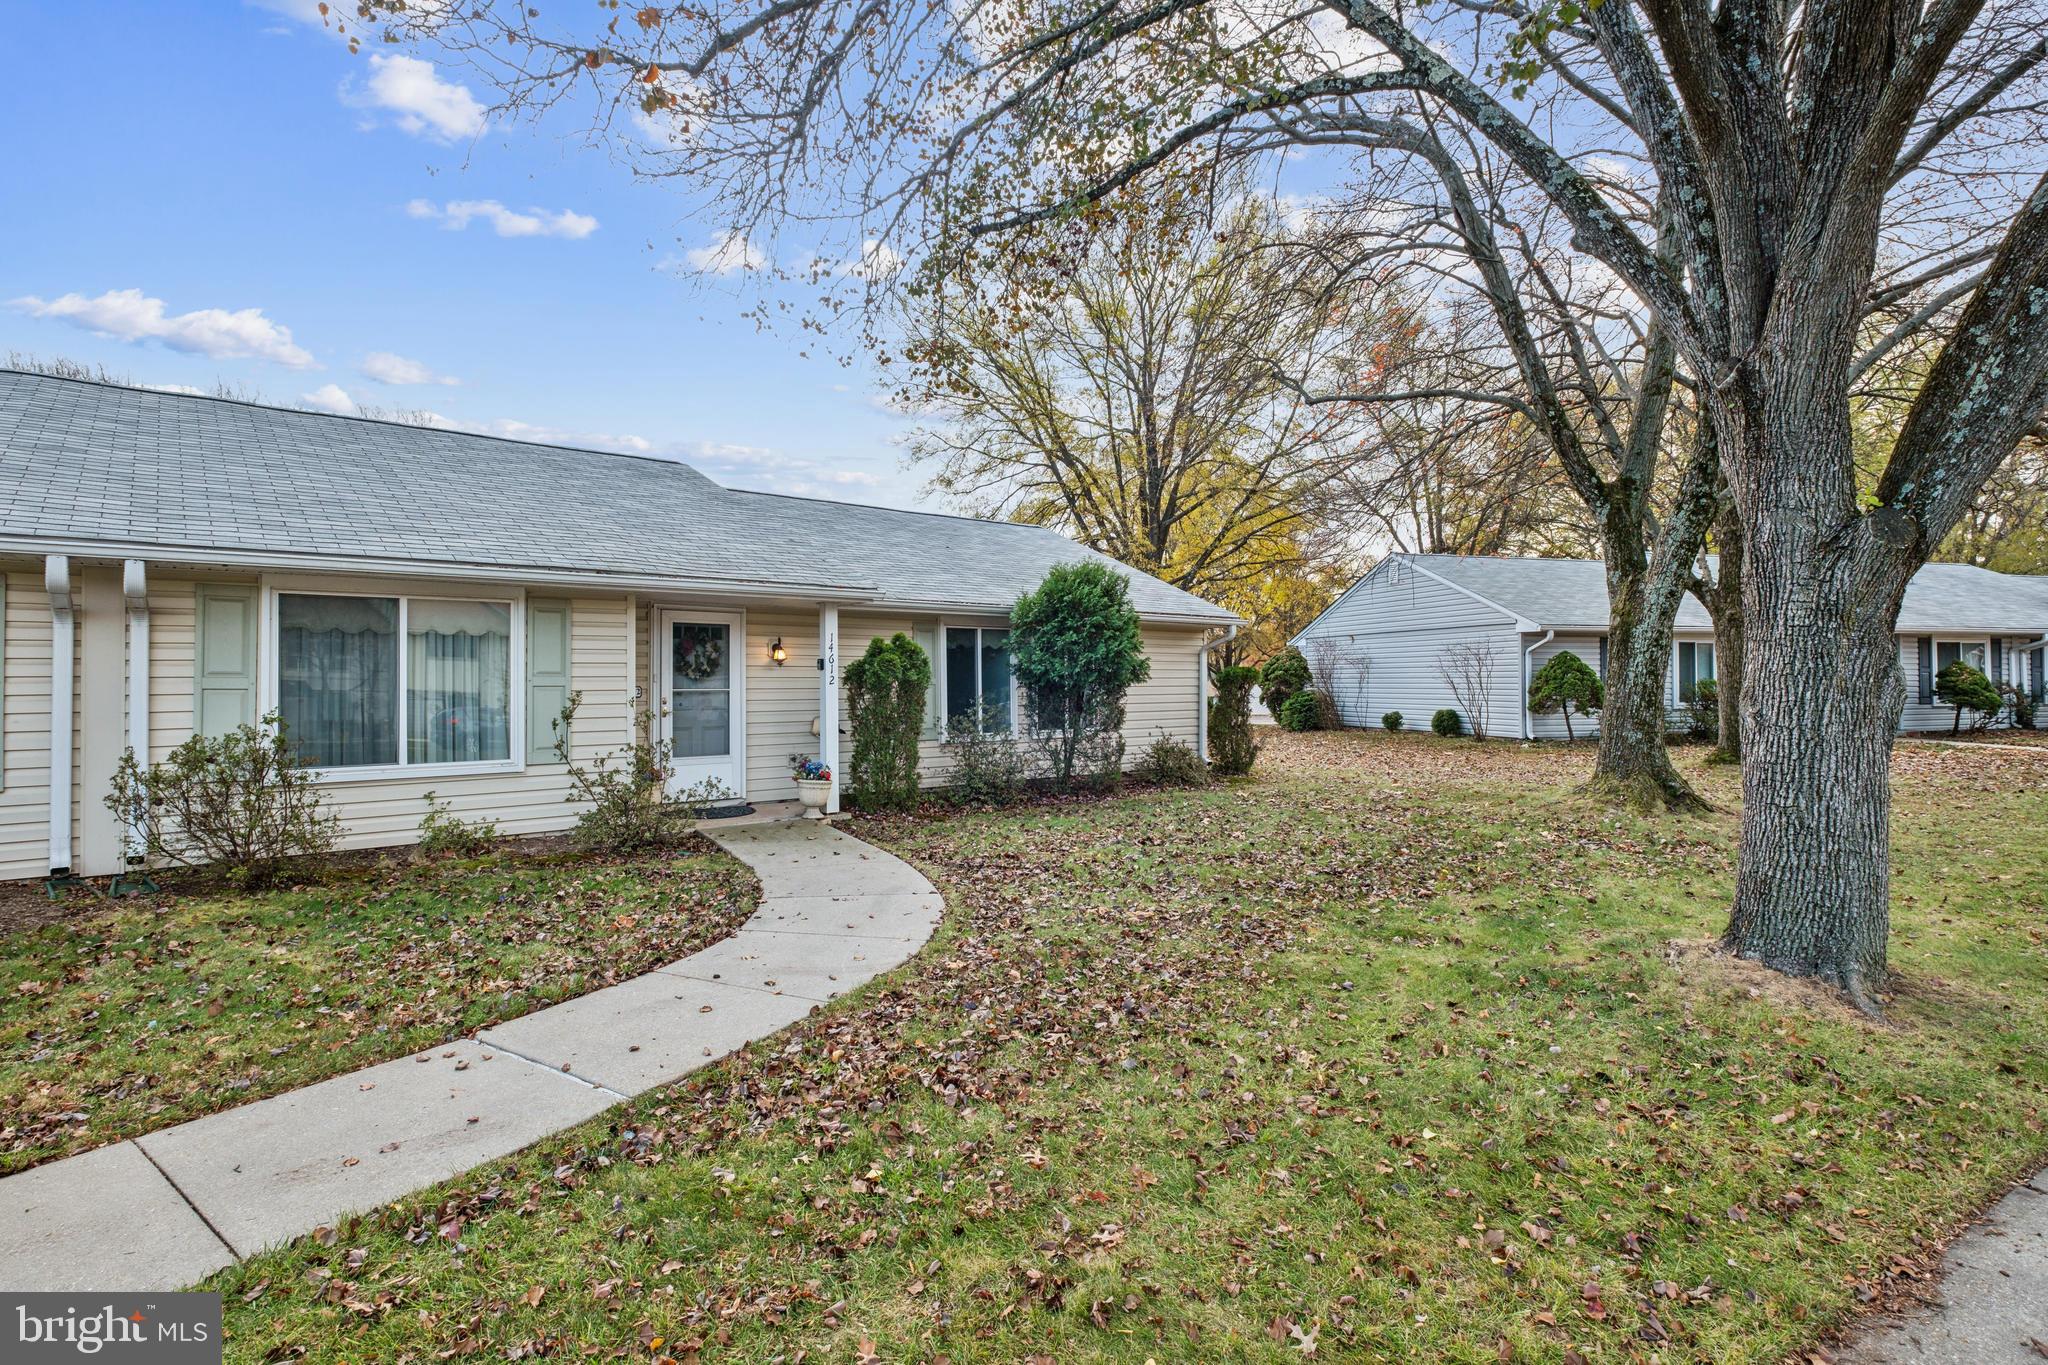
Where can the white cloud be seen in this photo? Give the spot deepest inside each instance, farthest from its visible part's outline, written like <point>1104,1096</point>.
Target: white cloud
<point>130,315</point>
<point>425,104</point>
<point>387,368</point>
<point>877,261</point>
<point>330,398</point>
<point>734,251</point>
<point>457,214</point>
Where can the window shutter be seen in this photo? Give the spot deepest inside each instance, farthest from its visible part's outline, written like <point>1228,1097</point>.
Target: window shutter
<point>224,659</point>
<point>927,638</point>
<point>1926,670</point>
<point>1603,657</point>
<point>3,680</point>
<point>547,675</point>
<point>1997,660</point>
<point>1688,669</point>
<point>2034,665</point>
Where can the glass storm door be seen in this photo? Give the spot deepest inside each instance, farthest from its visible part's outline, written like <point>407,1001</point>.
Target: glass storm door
<point>702,671</point>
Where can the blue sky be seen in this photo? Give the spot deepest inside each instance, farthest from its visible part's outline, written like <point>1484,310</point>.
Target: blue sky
<point>233,156</point>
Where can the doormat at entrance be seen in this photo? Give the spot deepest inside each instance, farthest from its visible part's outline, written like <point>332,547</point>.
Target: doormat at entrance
<point>726,812</point>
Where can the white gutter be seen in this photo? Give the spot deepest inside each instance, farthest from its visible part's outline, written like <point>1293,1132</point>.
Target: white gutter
<point>1528,716</point>
<point>63,641</point>
<point>135,589</point>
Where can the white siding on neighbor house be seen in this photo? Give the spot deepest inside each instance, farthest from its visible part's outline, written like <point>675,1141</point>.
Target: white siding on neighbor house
<point>1931,714</point>
<point>1587,647</point>
<point>1399,622</point>
<point>24,723</point>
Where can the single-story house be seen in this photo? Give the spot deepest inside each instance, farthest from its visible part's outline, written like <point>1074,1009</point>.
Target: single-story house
<point>1386,638</point>
<point>418,604</point>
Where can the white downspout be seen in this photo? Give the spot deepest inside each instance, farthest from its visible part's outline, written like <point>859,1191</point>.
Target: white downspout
<point>1528,716</point>
<point>135,590</point>
<point>63,679</point>
<point>828,699</point>
<point>1202,694</point>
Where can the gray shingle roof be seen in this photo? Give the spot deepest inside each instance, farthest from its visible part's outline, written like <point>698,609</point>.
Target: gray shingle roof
<point>1559,594</point>
<point>82,461</point>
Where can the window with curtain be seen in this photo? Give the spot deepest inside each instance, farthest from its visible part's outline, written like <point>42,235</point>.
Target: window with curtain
<point>458,682</point>
<point>977,668</point>
<point>339,689</point>
<point>1975,653</point>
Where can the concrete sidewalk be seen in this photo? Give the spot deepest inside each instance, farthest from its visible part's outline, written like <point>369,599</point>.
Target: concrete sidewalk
<point>1993,1306</point>
<point>170,1207</point>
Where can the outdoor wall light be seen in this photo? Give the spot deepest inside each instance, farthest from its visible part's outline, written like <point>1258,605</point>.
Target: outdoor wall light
<point>776,652</point>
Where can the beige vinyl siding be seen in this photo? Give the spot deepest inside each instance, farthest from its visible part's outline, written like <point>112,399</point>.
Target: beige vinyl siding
<point>25,695</point>
<point>1163,705</point>
<point>782,699</point>
<point>388,810</point>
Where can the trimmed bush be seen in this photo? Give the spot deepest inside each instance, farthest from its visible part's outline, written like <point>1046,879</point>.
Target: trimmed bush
<point>1965,687</point>
<point>1703,711</point>
<point>1448,723</point>
<point>1566,683</point>
<point>242,802</point>
<point>1285,675</point>
<point>1232,749</point>
<point>1075,649</point>
<point>1302,711</point>
<point>1391,722</point>
<point>885,691</point>
<point>1169,763</point>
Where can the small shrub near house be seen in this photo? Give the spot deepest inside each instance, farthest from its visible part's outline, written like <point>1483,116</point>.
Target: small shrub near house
<point>2022,704</point>
<point>989,765</point>
<point>1964,686</point>
<point>1566,684</point>
<point>1285,676</point>
<point>1167,762</point>
<point>1076,648</point>
<point>443,833</point>
<point>1703,711</point>
<point>1232,750</point>
<point>1448,723</point>
<point>241,802</point>
<point>885,692</point>
<point>1391,722</point>
<point>632,808</point>
<point>1302,711</point>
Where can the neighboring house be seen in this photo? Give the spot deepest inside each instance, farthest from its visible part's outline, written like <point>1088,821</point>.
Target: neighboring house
<point>1387,635</point>
<point>418,604</point>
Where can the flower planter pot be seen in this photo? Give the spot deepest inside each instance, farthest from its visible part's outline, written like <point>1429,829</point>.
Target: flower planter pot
<point>814,795</point>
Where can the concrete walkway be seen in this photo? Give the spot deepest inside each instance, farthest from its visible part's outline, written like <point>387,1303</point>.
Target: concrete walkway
<point>169,1208</point>
<point>1993,1307</point>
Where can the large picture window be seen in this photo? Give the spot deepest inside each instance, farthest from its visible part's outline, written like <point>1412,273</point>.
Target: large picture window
<point>977,674</point>
<point>351,697</point>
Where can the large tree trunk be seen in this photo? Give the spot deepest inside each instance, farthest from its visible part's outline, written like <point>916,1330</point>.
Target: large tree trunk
<point>1634,764</point>
<point>1821,699</point>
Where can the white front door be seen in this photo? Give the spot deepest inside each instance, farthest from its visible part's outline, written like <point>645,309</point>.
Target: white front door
<point>700,674</point>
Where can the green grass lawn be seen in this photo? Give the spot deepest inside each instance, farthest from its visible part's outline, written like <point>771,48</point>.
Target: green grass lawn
<point>1386,1054</point>
<point>143,1013</point>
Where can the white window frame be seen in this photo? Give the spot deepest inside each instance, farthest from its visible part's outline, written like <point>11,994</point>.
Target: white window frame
<point>1963,645</point>
<point>945,683</point>
<point>513,599</point>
